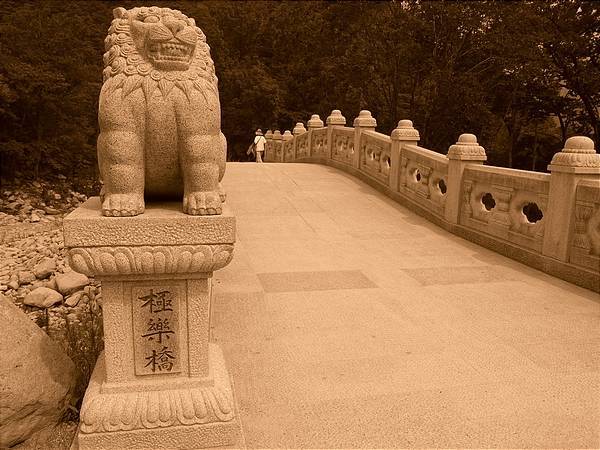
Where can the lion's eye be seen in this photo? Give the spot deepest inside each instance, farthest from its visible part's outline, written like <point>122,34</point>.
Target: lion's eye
<point>151,19</point>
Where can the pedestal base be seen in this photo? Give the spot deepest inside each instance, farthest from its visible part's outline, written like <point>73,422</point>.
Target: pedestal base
<point>181,417</point>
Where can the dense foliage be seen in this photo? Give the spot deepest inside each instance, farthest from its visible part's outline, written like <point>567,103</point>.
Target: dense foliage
<point>523,76</point>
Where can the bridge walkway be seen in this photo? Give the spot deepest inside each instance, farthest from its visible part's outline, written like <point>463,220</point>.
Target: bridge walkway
<point>349,321</point>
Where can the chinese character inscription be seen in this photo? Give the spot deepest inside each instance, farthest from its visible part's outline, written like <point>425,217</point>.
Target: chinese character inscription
<point>155,312</point>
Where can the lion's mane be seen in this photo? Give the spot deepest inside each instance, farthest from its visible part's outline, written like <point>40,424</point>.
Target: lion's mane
<point>125,68</point>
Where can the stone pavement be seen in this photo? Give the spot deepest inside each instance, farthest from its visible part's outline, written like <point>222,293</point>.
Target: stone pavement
<point>349,321</point>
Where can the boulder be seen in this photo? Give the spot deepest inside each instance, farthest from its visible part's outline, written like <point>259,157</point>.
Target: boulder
<point>37,379</point>
<point>14,282</point>
<point>44,268</point>
<point>51,211</point>
<point>70,282</point>
<point>43,297</point>
<point>26,277</point>
<point>73,299</point>
<point>51,284</point>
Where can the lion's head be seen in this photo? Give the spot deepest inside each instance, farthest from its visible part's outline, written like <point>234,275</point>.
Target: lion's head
<point>160,43</point>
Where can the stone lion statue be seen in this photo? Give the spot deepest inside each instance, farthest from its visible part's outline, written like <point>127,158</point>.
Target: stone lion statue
<point>159,114</point>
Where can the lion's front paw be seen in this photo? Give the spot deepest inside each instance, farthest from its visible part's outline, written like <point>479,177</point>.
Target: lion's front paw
<point>202,203</point>
<point>121,205</point>
<point>222,194</point>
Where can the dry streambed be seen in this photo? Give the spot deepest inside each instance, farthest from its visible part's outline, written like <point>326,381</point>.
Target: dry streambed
<point>35,276</point>
<point>34,273</point>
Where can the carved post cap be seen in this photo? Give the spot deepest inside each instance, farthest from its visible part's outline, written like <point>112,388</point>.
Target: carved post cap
<point>298,129</point>
<point>336,118</point>
<point>405,131</point>
<point>578,152</point>
<point>467,149</point>
<point>269,134</point>
<point>287,135</point>
<point>365,119</point>
<point>277,135</point>
<point>315,122</point>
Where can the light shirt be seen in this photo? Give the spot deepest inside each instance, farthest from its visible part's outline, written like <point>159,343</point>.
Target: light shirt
<point>260,143</point>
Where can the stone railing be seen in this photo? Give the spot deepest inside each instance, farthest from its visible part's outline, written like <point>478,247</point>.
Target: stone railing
<point>506,203</point>
<point>375,155</point>
<point>342,145</point>
<point>548,221</point>
<point>423,177</point>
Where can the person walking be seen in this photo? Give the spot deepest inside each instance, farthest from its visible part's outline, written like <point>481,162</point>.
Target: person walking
<point>259,145</point>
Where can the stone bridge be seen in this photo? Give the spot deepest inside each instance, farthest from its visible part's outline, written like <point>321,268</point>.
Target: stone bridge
<point>392,296</point>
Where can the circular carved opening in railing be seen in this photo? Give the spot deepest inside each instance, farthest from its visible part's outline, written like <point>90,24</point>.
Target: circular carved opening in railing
<point>417,175</point>
<point>488,201</point>
<point>532,212</point>
<point>442,186</point>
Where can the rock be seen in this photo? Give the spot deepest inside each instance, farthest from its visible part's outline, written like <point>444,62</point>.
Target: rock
<point>70,282</point>
<point>37,184</point>
<point>73,299</point>
<point>57,196</point>
<point>37,378</point>
<point>42,297</point>
<point>51,284</point>
<point>35,217</point>
<point>37,284</point>
<point>14,282</point>
<point>44,268</point>
<point>26,276</point>
<point>51,211</point>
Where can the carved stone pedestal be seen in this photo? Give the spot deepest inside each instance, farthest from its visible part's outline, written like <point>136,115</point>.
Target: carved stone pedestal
<point>159,383</point>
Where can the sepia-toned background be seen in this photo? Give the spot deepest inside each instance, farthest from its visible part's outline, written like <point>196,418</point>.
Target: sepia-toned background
<point>522,76</point>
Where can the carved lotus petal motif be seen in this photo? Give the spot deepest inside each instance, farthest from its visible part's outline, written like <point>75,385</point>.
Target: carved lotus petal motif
<point>122,263</point>
<point>109,261</point>
<point>578,159</point>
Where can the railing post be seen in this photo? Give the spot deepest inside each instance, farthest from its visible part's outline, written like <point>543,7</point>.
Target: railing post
<point>465,151</point>
<point>298,129</point>
<point>403,134</point>
<point>268,145</point>
<point>335,119</point>
<point>363,122</point>
<point>314,122</point>
<point>277,143</point>
<point>576,162</point>
<point>287,136</point>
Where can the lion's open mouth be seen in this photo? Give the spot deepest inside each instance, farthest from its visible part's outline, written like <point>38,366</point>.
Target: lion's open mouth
<point>167,54</point>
